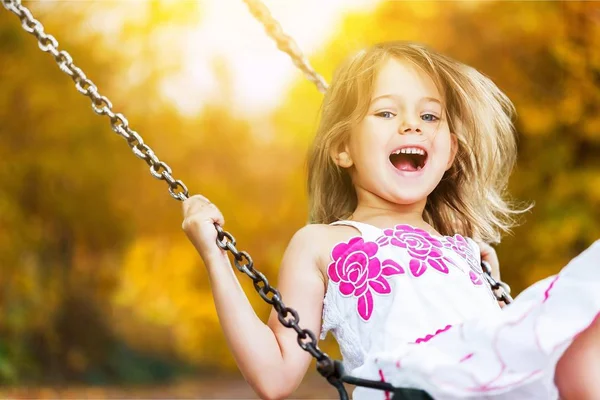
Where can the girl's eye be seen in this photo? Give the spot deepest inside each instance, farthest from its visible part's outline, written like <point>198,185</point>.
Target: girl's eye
<point>432,118</point>
<point>385,114</point>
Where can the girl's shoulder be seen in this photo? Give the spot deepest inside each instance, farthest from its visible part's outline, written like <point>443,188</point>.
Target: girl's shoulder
<point>320,239</point>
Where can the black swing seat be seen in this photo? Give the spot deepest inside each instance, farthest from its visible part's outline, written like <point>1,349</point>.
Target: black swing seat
<point>333,371</point>
<point>410,394</point>
<point>396,393</point>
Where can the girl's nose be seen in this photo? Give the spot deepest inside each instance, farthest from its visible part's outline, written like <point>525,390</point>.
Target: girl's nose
<point>411,129</point>
<point>409,125</point>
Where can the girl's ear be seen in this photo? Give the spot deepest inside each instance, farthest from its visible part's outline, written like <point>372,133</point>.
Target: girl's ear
<point>341,156</point>
<point>453,150</point>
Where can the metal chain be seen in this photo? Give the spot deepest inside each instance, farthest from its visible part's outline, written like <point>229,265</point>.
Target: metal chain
<point>286,315</point>
<point>285,42</point>
<point>500,289</point>
<point>160,170</point>
<point>100,104</point>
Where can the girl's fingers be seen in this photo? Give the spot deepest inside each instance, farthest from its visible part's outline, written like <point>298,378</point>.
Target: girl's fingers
<point>218,217</point>
<point>194,203</point>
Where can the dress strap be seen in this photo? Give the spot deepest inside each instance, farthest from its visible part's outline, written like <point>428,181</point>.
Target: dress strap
<point>365,230</point>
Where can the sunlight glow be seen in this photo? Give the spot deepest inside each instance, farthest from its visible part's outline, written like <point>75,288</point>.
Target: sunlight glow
<point>230,43</point>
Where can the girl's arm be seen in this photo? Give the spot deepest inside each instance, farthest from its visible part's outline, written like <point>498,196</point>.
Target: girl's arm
<point>267,355</point>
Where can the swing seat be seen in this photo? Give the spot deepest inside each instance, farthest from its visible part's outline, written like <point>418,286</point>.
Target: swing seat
<point>333,371</point>
<point>410,394</point>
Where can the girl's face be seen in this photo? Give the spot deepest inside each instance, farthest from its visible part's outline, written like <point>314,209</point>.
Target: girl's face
<point>400,150</point>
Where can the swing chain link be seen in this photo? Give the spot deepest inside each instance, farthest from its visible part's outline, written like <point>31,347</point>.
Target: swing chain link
<point>285,42</point>
<point>500,289</point>
<point>100,104</point>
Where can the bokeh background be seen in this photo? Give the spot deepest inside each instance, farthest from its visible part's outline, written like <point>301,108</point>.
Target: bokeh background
<point>101,295</point>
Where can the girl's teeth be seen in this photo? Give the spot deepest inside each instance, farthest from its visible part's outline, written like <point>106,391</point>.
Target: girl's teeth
<point>410,150</point>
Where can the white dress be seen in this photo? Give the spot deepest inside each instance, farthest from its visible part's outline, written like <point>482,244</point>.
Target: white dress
<point>414,310</point>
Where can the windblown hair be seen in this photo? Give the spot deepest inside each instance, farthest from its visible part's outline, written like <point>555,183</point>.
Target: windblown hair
<point>471,197</point>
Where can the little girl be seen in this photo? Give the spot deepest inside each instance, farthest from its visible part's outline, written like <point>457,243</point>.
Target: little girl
<point>406,181</point>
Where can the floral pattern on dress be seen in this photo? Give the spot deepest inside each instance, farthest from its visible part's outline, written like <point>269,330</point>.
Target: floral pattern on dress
<point>477,279</point>
<point>425,250</point>
<point>461,246</point>
<point>358,272</point>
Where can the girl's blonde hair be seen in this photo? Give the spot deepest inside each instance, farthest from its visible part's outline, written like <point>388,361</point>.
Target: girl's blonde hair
<point>470,199</point>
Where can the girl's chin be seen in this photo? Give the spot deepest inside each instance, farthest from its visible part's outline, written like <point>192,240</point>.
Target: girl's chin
<point>408,199</point>
<point>407,193</point>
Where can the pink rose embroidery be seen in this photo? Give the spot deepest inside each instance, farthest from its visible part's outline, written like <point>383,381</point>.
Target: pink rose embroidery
<point>424,249</point>
<point>475,278</point>
<point>461,247</point>
<point>357,272</point>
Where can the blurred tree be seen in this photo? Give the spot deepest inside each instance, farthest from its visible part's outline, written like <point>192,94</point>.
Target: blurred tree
<point>61,230</point>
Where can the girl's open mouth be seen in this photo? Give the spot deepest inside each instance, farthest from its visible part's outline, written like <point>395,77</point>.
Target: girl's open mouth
<point>409,159</point>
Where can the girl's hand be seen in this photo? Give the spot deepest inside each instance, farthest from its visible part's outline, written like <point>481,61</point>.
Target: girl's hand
<point>199,217</point>
<point>489,254</point>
